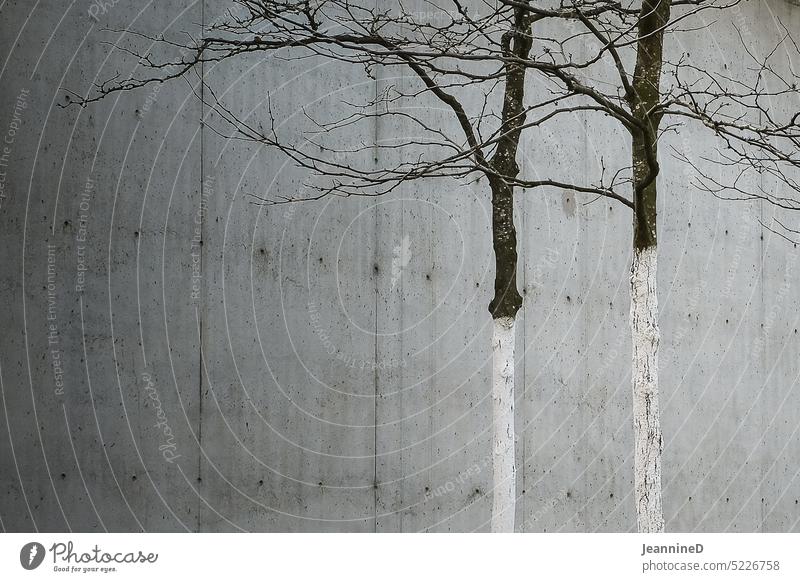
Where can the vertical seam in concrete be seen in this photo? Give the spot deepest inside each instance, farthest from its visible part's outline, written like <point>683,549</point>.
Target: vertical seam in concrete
<point>202,270</point>
<point>400,370</point>
<point>433,373</point>
<point>585,285</point>
<point>375,337</point>
<point>375,386</point>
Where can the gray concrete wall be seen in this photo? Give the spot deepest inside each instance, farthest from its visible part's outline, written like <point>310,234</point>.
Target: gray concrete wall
<point>276,378</point>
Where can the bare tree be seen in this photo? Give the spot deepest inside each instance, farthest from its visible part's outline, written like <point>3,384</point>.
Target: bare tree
<point>637,74</point>
<point>502,67</point>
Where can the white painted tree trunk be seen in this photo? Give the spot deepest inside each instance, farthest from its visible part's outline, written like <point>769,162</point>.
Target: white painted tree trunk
<point>646,419</point>
<point>503,467</point>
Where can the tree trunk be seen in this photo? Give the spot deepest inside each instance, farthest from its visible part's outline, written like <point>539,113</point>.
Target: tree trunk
<point>644,100</point>
<point>516,43</point>
<point>504,307</point>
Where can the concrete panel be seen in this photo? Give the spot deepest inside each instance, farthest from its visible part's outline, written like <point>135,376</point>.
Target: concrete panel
<point>226,366</point>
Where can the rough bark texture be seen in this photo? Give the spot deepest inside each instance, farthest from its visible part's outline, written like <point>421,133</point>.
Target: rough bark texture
<point>645,234</point>
<point>507,300</point>
<point>644,103</point>
<point>505,472</point>
<point>646,420</point>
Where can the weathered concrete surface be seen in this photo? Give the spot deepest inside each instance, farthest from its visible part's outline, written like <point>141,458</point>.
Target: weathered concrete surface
<point>326,367</point>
